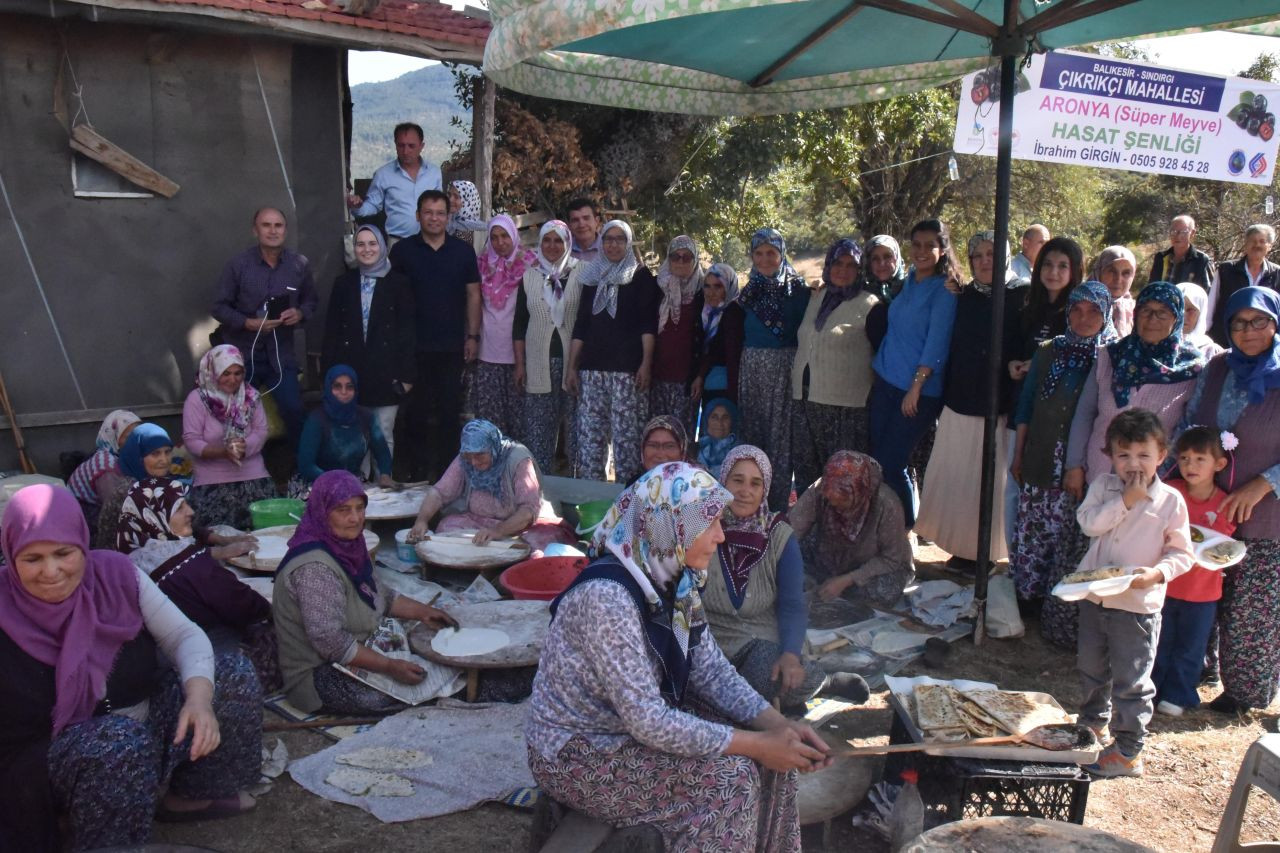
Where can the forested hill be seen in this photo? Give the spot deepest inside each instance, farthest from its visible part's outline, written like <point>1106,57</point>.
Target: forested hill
<point>424,96</point>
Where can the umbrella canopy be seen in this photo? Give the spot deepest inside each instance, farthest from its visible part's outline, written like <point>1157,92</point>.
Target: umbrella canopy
<point>756,57</point>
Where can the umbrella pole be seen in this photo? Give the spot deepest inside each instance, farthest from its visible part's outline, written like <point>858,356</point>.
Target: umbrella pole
<point>992,431</point>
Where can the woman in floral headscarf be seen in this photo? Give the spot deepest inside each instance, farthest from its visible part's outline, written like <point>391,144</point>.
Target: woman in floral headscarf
<point>627,654</point>
<point>717,340</point>
<point>464,213</point>
<point>99,475</point>
<point>774,301</point>
<point>755,592</point>
<point>831,376</point>
<point>224,430</point>
<point>492,487</point>
<point>1046,512</point>
<point>680,279</point>
<point>546,309</point>
<point>851,532</point>
<point>495,394</point>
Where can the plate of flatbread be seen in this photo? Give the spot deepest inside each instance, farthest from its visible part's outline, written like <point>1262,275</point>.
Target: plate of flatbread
<point>1108,580</point>
<point>1219,552</point>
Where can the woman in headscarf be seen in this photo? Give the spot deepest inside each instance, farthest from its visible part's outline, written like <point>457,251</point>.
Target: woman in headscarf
<point>341,433</point>
<point>369,327</point>
<point>145,453</point>
<point>717,339</point>
<point>156,530</point>
<point>950,504</point>
<point>492,487</point>
<point>851,532</point>
<point>774,300</point>
<point>611,360</point>
<point>662,440</point>
<point>882,272</point>
<point>1238,393</point>
<point>1046,511</point>
<point>680,280</point>
<point>906,394</point>
<point>495,394</point>
<point>98,476</point>
<point>719,433</point>
<point>1151,368</point>
<point>1115,267</point>
<point>92,727</point>
<point>326,604</point>
<point>627,658</point>
<point>224,430</point>
<point>546,308</point>
<point>1195,319</point>
<point>464,213</point>
<point>754,594</point>
<point>831,375</point>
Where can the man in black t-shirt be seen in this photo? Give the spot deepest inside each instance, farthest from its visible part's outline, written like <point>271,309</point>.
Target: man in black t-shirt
<point>445,280</point>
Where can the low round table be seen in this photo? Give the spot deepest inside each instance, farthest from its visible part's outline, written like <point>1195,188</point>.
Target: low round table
<point>1019,834</point>
<point>524,622</point>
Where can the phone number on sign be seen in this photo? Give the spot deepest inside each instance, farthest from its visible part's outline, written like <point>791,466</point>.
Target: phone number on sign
<point>1151,161</point>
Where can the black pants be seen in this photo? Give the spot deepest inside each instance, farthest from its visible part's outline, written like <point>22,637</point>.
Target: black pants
<point>429,418</point>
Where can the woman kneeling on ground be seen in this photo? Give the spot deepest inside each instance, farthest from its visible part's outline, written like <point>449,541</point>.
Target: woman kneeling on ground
<point>326,604</point>
<point>755,592</point>
<point>851,532</point>
<point>631,680</point>
<point>494,488</point>
<point>94,734</point>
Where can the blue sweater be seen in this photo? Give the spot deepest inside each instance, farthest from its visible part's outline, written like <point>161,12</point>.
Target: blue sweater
<point>325,447</point>
<point>920,321</point>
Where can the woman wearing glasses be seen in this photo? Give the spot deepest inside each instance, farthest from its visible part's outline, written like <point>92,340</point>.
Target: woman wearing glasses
<point>680,279</point>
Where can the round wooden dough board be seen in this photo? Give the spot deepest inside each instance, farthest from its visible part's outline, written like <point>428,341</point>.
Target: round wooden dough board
<point>525,622</point>
<point>273,544</point>
<point>388,504</point>
<point>453,550</point>
<point>1019,834</point>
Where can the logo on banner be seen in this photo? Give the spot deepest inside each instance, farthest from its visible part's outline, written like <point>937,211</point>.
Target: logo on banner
<point>1258,164</point>
<point>1235,163</point>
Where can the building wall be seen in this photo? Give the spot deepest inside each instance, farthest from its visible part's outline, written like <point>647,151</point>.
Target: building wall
<point>130,281</point>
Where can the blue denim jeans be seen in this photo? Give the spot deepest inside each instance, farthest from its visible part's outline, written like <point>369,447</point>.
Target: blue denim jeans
<point>1184,636</point>
<point>894,435</point>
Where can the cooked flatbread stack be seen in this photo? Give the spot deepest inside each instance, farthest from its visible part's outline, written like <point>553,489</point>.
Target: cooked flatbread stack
<point>947,715</point>
<point>1016,712</point>
<point>1091,575</point>
<point>937,715</point>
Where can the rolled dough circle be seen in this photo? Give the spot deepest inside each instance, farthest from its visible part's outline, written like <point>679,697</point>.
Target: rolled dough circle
<point>467,642</point>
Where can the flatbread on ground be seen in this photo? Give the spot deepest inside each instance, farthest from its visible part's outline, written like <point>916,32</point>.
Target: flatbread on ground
<point>1017,712</point>
<point>385,758</point>
<point>935,708</point>
<point>369,783</point>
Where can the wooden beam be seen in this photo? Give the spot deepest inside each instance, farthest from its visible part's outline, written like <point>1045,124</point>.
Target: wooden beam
<point>964,13</point>
<point>899,7</point>
<point>38,420</point>
<point>95,146</point>
<point>837,20</point>
<point>1069,12</point>
<point>484,94</point>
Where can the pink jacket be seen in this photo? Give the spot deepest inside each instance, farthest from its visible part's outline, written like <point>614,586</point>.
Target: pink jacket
<point>1153,533</point>
<point>200,429</point>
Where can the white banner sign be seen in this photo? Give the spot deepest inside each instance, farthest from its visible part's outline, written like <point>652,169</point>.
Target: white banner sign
<point>1088,110</point>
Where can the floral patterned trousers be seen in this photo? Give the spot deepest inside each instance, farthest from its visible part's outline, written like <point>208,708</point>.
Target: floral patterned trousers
<point>610,410</point>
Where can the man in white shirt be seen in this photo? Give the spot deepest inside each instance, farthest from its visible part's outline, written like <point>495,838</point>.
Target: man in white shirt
<point>395,187</point>
<point>1032,239</point>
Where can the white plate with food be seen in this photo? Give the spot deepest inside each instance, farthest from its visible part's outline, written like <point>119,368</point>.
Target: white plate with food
<point>1219,553</point>
<point>1108,580</point>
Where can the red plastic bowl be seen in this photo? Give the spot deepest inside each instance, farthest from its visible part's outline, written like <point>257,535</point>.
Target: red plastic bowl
<point>542,579</point>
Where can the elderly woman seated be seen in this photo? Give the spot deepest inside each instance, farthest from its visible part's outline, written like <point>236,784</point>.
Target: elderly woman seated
<point>663,439</point>
<point>326,605</point>
<point>636,715</point>
<point>156,530</point>
<point>492,487</point>
<point>145,453</point>
<point>754,595</point>
<point>96,733</point>
<point>852,533</point>
<point>340,434</point>
<point>97,476</point>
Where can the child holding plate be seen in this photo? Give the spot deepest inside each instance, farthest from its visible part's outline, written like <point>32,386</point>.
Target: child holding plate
<point>1191,603</point>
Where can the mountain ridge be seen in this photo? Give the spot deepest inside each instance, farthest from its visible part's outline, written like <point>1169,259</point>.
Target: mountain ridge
<point>425,96</point>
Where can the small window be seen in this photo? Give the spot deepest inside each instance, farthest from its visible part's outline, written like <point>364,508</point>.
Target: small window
<point>91,179</point>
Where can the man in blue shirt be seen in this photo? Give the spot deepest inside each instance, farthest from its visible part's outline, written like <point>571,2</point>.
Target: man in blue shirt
<point>396,187</point>
<point>264,293</point>
<point>445,281</point>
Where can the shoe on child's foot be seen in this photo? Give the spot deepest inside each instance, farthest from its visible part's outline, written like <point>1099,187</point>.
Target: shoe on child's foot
<point>1169,709</point>
<point>1112,762</point>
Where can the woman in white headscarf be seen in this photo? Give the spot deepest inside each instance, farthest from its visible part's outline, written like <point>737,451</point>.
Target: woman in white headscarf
<point>611,361</point>
<point>546,308</point>
<point>680,278</point>
<point>464,214</point>
<point>1195,319</point>
<point>717,341</point>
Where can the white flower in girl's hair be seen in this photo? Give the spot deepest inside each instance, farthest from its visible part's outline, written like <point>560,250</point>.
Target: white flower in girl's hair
<point>1229,440</point>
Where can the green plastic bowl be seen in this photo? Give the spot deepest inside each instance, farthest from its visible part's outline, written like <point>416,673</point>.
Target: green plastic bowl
<point>590,514</point>
<point>274,512</point>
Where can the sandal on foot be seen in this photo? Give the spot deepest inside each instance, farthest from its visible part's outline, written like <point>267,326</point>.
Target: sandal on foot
<point>217,809</point>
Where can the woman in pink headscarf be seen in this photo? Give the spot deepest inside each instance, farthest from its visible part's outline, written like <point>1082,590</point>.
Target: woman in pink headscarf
<point>495,396</point>
<point>95,735</point>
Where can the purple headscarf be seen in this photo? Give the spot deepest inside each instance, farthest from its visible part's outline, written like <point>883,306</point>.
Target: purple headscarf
<point>328,491</point>
<point>81,635</point>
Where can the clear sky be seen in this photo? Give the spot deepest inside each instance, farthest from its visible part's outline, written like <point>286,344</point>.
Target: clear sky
<point>1215,53</point>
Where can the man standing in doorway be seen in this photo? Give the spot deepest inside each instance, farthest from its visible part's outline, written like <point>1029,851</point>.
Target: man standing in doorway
<point>396,186</point>
<point>1182,261</point>
<point>445,281</point>
<point>584,225</point>
<point>264,293</point>
<point>1032,239</point>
